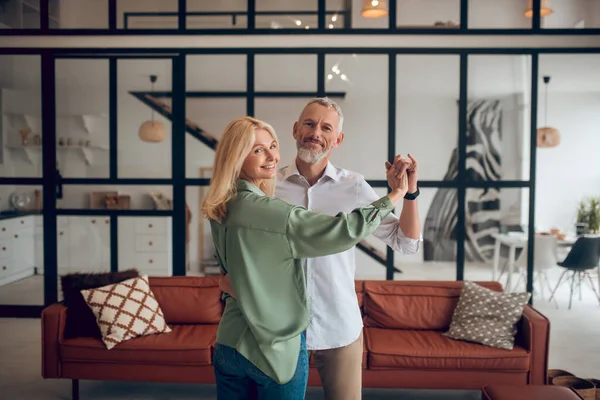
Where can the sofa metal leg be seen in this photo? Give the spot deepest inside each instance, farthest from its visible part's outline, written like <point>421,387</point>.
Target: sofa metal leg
<point>75,389</point>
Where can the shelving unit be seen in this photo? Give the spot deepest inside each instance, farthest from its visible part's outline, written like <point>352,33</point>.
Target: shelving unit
<point>33,152</point>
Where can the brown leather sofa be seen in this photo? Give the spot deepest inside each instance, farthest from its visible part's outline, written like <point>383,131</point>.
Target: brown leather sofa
<point>403,345</point>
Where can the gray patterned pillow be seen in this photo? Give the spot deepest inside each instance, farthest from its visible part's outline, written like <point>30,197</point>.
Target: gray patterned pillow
<point>487,317</point>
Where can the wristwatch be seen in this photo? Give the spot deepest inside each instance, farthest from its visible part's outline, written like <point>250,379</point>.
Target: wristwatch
<point>412,196</point>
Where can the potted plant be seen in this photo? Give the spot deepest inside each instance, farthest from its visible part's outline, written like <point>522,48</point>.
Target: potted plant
<point>588,216</point>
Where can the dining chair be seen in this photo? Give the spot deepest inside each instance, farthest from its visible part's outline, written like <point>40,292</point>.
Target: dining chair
<point>583,257</point>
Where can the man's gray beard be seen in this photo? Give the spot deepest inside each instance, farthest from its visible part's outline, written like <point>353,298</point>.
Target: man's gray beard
<point>309,156</point>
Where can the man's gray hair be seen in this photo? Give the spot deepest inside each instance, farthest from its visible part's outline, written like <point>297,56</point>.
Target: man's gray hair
<point>328,103</point>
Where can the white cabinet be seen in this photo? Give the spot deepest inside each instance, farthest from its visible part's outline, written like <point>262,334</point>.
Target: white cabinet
<point>83,244</point>
<point>17,248</point>
<point>145,243</point>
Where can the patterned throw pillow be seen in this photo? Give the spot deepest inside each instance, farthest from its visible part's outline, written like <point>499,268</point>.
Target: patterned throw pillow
<point>125,310</point>
<point>487,317</point>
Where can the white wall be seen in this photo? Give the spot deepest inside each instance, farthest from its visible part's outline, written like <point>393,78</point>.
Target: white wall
<point>571,171</point>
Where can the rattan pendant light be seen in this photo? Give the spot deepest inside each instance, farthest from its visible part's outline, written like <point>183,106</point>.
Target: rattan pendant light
<point>547,136</point>
<point>152,131</point>
<point>374,8</point>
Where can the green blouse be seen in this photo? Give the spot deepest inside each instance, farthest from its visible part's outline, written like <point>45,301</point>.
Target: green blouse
<point>260,244</point>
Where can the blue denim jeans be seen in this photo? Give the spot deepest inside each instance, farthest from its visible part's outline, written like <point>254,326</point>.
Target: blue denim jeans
<point>239,379</point>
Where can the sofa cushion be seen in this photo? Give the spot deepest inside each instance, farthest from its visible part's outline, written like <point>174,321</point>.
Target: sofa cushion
<point>81,321</point>
<point>487,317</point>
<point>420,349</point>
<point>189,300</point>
<point>126,310</point>
<point>185,345</point>
<point>359,287</point>
<point>413,304</point>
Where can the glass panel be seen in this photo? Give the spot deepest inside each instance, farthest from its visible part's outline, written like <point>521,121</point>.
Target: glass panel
<point>498,118</point>
<point>208,118</point>
<point>436,258</point>
<point>572,109</point>
<point>21,245</point>
<point>281,72</point>
<point>82,106</point>
<point>115,197</point>
<point>83,244</point>
<point>337,16</point>
<point>230,14</point>
<point>216,73</point>
<point>78,14</point>
<point>21,116</point>
<point>443,14</point>
<point>145,243</point>
<point>363,80</point>
<point>200,248</point>
<point>507,14</point>
<point>19,14</point>
<point>427,92</point>
<point>136,108</point>
<point>149,14</point>
<point>286,14</point>
<point>488,213</point>
<point>571,14</point>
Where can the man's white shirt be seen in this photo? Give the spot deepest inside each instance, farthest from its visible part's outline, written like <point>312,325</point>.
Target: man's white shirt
<point>335,318</point>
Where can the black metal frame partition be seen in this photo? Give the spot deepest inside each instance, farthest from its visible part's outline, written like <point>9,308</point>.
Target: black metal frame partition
<point>179,181</point>
<point>321,12</point>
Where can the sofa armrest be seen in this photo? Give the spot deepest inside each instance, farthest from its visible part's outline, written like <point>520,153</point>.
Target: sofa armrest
<point>54,318</point>
<point>535,337</point>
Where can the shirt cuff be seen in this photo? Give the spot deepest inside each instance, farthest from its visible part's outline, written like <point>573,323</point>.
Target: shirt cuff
<point>383,203</point>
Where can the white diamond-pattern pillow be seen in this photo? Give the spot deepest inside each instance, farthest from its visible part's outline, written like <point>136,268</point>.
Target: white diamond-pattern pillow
<point>126,310</point>
<point>487,317</point>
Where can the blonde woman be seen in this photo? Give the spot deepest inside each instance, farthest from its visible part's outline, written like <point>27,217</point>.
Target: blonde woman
<point>259,242</point>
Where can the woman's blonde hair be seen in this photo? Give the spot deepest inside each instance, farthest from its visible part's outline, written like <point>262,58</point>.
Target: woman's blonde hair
<point>233,148</point>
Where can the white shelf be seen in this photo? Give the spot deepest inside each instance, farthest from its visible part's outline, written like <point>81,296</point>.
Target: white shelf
<point>31,152</point>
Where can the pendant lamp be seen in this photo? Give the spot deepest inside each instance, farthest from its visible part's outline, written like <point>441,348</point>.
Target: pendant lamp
<point>152,131</point>
<point>547,136</point>
<point>374,8</point>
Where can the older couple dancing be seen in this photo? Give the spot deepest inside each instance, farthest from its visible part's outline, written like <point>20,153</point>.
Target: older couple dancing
<point>280,245</point>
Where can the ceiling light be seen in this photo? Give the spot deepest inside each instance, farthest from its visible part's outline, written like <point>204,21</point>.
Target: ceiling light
<point>374,8</point>
<point>330,77</point>
<point>152,131</point>
<point>344,77</point>
<point>298,22</point>
<point>334,18</point>
<point>545,9</point>
<point>330,26</point>
<point>307,27</point>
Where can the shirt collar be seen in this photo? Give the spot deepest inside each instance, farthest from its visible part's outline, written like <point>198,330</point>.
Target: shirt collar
<point>245,186</point>
<point>292,170</point>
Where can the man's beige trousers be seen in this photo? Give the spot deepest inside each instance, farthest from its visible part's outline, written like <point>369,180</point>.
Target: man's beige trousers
<point>341,371</point>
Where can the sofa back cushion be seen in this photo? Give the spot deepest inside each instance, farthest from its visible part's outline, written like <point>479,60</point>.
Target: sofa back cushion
<point>413,304</point>
<point>188,299</point>
<point>359,286</point>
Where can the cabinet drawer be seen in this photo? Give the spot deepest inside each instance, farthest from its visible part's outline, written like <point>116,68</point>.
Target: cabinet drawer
<point>156,225</point>
<point>152,263</point>
<point>151,243</point>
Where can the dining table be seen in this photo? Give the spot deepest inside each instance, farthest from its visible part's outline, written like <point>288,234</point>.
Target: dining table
<point>514,241</point>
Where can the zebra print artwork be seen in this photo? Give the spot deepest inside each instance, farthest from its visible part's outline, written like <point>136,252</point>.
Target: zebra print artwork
<point>483,163</point>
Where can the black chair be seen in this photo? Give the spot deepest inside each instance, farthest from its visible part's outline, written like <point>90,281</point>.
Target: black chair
<point>584,256</point>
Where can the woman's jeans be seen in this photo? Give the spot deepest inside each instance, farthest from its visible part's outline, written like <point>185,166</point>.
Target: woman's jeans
<point>239,379</point>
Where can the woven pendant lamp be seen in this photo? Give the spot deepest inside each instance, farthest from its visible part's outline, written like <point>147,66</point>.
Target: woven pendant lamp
<point>152,131</point>
<point>374,8</point>
<point>547,136</point>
